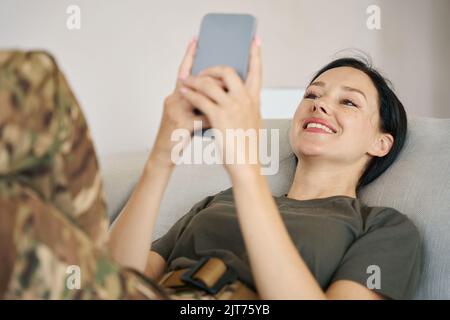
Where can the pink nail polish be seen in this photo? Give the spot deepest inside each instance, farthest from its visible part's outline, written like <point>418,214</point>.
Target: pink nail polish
<point>183,89</point>
<point>258,40</point>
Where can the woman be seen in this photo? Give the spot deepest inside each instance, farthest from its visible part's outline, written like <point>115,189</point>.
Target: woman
<point>319,241</point>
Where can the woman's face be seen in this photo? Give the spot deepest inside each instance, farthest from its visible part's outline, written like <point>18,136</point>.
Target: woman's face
<point>346,100</point>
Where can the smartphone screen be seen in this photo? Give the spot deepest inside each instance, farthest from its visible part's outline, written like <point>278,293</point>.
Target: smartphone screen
<point>224,39</point>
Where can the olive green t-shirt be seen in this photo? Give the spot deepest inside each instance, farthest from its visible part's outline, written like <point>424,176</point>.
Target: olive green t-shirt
<point>338,237</point>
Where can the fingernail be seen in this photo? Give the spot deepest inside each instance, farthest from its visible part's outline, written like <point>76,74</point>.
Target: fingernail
<point>258,40</point>
<point>183,89</point>
<point>194,38</point>
<point>182,76</point>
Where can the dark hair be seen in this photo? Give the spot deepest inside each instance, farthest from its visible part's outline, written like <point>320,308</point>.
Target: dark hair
<point>393,118</point>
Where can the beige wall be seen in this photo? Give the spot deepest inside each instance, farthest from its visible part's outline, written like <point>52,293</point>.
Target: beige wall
<point>123,61</point>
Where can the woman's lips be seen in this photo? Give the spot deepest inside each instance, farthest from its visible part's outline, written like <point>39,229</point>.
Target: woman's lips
<point>316,130</point>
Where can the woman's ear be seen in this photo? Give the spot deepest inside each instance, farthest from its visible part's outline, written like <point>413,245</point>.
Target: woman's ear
<point>382,145</point>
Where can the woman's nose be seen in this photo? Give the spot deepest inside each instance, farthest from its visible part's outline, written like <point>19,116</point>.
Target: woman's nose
<point>320,105</point>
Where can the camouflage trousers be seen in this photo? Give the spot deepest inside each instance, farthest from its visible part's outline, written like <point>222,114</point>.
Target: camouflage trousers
<point>53,216</point>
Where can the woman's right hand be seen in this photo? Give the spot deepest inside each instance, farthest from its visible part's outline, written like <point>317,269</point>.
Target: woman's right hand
<point>178,113</point>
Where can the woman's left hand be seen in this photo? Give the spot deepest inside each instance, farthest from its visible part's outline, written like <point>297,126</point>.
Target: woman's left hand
<point>237,106</point>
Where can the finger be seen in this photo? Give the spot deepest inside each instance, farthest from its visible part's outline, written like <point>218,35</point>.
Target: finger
<point>200,101</point>
<point>209,87</point>
<point>228,75</point>
<point>189,108</point>
<point>254,77</point>
<point>205,124</point>
<point>186,64</point>
<point>217,81</point>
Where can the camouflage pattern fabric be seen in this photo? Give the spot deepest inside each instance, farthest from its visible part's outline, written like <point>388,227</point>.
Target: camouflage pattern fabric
<point>52,206</point>
<point>46,244</point>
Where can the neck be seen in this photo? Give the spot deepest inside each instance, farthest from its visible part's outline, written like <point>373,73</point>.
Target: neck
<point>318,179</point>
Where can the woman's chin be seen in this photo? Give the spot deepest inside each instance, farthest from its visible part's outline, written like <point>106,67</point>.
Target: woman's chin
<point>312,150</point>
<point>314,144</point>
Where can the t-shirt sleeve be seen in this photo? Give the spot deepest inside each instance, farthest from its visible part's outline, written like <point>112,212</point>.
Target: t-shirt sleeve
<point>166,243</point>
<point>387,258</point>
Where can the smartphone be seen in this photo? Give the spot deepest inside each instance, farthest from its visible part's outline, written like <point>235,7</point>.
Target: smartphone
<point>224,39</point>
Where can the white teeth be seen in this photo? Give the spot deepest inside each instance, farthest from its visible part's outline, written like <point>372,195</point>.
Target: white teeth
<point>320,126</point>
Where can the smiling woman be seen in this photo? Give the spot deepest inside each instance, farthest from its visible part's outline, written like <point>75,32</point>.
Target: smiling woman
<point>348,128</point>
<point>357,99</point>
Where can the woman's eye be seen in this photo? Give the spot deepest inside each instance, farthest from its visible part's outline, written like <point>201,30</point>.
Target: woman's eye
<point>310,95</point>
<point>348,102</point>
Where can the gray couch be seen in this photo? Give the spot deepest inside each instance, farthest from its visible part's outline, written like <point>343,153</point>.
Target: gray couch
<point>417,184</point>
